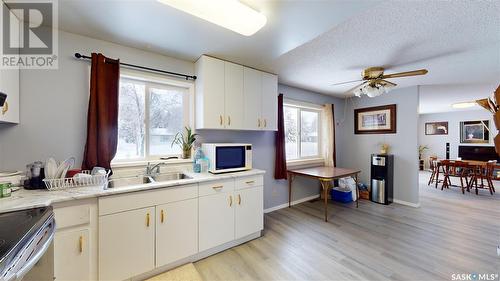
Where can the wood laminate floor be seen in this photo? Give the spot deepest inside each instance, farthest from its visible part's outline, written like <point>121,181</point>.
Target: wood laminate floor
<point>449,233</point>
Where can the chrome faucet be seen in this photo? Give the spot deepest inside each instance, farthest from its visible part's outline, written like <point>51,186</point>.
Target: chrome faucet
<point>154,169</point>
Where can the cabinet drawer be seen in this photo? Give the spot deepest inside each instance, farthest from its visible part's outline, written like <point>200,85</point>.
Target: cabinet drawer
<point>135,200</point>
<point>215,187</point>
<point>72,216</point>
<point>249,182</point>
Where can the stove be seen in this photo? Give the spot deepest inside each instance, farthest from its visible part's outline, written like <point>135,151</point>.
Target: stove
<point>24,237</point>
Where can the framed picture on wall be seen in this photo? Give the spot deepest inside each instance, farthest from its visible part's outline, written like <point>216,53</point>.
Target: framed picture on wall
<point>474,131</point>
<point>436,128</point>
<point>375,120</point>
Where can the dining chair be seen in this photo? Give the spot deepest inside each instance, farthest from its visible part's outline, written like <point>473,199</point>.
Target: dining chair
<point>436,169</point>
<point>483,173</point>
<point>459,169</point>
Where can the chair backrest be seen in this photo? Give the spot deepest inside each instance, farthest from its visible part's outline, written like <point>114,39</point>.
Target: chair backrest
<point>432,162</point>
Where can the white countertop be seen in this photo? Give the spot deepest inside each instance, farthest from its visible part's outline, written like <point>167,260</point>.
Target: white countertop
<point>26,199</point>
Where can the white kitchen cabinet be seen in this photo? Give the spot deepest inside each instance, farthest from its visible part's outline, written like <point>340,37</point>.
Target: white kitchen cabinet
<point>231,96</point>
<point>126,244</point>
<point>233,93</point>
<point>176,231</point>
<point>216,220</point>
<point>209,99</point>
<point>72,252</point>
<point>253,98</point>
<point>269,102</point>
<point>249,217</point>
<point>9,84</point>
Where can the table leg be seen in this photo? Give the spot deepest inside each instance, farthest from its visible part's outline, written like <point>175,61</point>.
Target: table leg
<point>357,190</point>
<point>324,185</point>
<point>290,179</point>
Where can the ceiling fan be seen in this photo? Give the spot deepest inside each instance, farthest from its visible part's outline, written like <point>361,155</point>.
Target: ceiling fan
<point>374,81</point>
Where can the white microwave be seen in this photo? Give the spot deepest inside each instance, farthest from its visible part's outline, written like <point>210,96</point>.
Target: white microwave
<point>228,157</point>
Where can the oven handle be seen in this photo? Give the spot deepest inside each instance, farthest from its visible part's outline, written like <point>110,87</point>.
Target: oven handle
<point>40,251</point>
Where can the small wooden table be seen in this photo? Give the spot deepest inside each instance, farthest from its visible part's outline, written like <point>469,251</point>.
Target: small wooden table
<point>325,175</point>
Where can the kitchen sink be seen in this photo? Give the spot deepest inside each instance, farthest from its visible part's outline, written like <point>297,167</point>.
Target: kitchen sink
<point>170,177</point>
<point>126,181</point>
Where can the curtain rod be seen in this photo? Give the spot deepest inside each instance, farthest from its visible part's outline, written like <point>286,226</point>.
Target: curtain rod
<point>187,77</point>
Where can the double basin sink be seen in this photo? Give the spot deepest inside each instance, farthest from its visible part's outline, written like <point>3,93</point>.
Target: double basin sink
<point>142,179</point>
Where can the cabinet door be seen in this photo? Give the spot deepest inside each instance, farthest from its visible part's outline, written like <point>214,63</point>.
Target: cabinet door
<point>126,244</point>
<point>9,83</point>
<point>270,101</point>
<point>216,220</point>
<point>210,93</point>
<point>249,211</point>
<point>72,255</point>
<point>176,231</point>
<point>252,89</point>
<point>234,96</point>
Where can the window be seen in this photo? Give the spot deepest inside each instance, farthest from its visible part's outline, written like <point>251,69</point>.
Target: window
<point>302,130</point>
<point>151,112</point>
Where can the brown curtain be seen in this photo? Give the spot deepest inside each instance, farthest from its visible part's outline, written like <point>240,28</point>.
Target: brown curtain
<point>280,159</point>
<point>102,117</point>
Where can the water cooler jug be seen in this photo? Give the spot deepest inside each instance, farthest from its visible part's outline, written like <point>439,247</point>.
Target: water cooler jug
<point>382,178</point>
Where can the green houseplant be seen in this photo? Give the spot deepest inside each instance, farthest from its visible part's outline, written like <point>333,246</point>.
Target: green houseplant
<point>185,142</point>
<point>421,150</point>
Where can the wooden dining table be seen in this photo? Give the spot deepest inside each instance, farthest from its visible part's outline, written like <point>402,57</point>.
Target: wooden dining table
<point>325,175</point>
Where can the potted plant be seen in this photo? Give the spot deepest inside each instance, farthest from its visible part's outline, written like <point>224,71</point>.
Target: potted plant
<point>185,142</point>
<point>421,150</point>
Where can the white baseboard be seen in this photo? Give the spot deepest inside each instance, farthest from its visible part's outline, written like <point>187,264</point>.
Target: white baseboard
<point>406,203</point>
<point>302,200</point>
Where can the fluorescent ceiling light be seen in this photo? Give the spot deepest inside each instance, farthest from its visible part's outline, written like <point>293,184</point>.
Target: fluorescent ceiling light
<point>466,104</point>
<point>230,14</point>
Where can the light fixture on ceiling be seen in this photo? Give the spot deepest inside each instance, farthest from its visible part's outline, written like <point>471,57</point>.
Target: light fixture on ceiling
<point>230,14</point>
<point>461,105</point>
<point>373,89</point>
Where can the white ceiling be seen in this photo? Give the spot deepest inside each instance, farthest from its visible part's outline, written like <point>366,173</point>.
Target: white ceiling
<point>313,44</point>
<point>439,98</point>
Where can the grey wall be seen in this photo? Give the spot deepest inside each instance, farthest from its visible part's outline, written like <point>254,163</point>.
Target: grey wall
<point>356,149</point>
<point>437,143</point>
<point>54,111</point>
<point>276,191</point>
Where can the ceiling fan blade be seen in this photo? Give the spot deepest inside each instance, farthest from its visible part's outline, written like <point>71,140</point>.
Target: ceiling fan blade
<point>405,74</point>
<point>385,82</point>
<point>341,83</point>
<point>351,90</point>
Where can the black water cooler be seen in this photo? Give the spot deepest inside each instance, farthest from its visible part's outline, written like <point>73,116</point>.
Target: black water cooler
<point>382,178</point>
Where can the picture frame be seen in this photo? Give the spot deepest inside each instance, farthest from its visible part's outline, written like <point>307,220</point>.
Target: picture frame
<point>375,120</point>
<point>474,131</point>
<point>436,128</point>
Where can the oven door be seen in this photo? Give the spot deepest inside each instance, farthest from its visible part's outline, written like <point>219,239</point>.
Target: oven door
<point>229,159</point>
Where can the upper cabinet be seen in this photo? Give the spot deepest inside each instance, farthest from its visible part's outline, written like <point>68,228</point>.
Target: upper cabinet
<point>9,84</point>
<point>231,96</point>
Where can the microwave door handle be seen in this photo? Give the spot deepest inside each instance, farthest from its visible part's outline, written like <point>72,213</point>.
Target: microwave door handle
<point>38,255</point>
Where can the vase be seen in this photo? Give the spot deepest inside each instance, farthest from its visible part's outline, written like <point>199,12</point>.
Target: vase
<point>186,154</point>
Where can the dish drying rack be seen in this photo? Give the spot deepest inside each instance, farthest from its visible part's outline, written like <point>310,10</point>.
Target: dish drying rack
<point>92,180</point>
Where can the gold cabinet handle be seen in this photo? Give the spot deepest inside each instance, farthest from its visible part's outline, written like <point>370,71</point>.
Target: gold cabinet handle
<point>221,120</point>
<point>249,182</point>
<point>5,108</point>
<point>80,244</point>
<point>258,122</point>
<point>239,199</point>
<point>162,216</point>
<point>229,120</point>
<point>230,201</point>
<point>265,122</point>
<point>217,187</point>
<point>147,219</point>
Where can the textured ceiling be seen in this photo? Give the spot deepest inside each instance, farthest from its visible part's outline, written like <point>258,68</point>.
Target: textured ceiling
<point>457,41</point>
<point>150,25</point>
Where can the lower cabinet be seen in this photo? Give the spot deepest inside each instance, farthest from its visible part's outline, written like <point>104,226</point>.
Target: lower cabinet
<point>126,244</point>
<point>216,220</point>
<point>249,216</point>
<point>176,231</point>
<point>72,247</point>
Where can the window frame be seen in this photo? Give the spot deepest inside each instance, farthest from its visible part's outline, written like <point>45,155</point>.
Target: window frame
<point>308,107</point>
<point>150,80</point>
